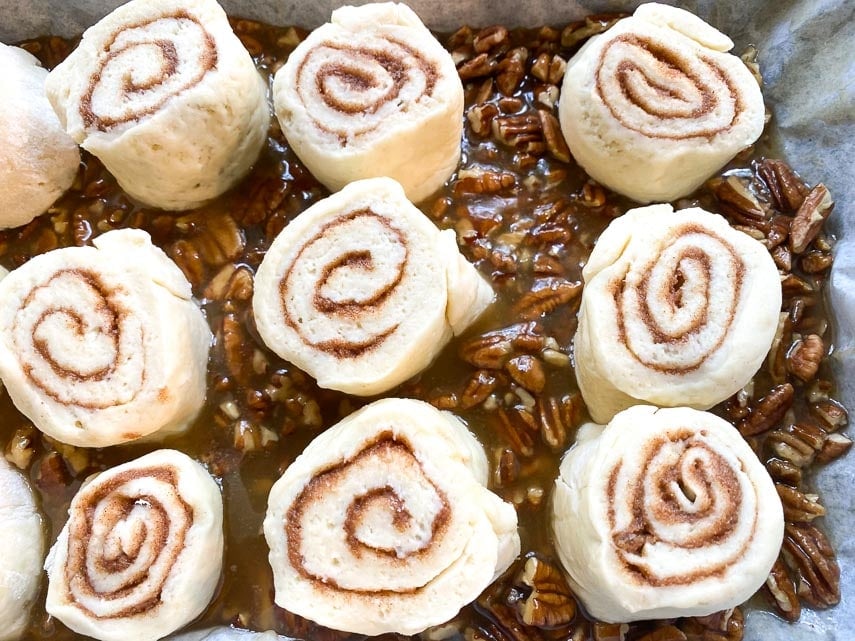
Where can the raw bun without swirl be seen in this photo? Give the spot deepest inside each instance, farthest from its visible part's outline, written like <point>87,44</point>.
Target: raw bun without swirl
<point>22,542</point>
<point>656,105</point>
<point>372,93</point>
<point>383,524</point>
<point>166,96</point>
<point>664,513</point>
<point>678,308</point>
<point>39,160</point>
<point>362,291</point>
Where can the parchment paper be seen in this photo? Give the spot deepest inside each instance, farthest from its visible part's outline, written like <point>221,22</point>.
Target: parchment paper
<point>807,56</point>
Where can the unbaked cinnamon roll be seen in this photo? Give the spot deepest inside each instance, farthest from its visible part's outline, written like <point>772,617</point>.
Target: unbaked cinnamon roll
<point>39,159</point>
<point>166,96</point>
<point>372,93</point>
<point>656,105</point>
<point>664,513</point>
<point>383,524</point>
<point>22,542</point>
<point>141,553</point>
<point>678,308</point>
<point>362,291</point>
<point>103,345</point>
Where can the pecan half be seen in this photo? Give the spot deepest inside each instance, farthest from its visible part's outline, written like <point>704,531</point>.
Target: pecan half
<point>788,191</point>
<point>810,555</point>
<point>798,506</point>
<point>550,602</point>
<point>769,410</point>
<point>545,295</point>
<point>805,356</point>
<point>555,143</point>
<point>810,217</point>
<point>782,591</point>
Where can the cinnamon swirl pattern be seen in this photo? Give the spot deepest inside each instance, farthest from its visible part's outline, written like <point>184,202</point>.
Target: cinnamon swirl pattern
<point>678,309</point>
<point>383,524</point>
<point>372,93</point>
<point>40,160</point>
<point>165,95</point>
<point>656,105</point>
<point>362,291</point>
<point>141,553</point>
<point>103,345</point>
<point>664,513</point>
<point>22,542</point>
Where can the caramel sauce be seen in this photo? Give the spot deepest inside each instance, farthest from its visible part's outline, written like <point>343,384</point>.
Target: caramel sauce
<point>261,412</point>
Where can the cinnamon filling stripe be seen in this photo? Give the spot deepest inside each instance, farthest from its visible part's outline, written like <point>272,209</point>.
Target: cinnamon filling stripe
<point>355,68</point>
<point>157,88</point>
<point>107,318</point>
<point>697,93</point>
<point>672,300</point>
<point>122,534</point>
<point>684,492</point>
<point>385,449</point>
<point>344,309</point>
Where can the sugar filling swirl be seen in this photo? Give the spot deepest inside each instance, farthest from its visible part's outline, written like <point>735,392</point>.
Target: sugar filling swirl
<point>677,309</point>
<point>144,65</point>
<point>124,539</point>
<point>386,513</point>
<point>685,494</point>
<point>350,90</point>
<point>658,92</point>
<point>79,342</point>
<point>330,308</point>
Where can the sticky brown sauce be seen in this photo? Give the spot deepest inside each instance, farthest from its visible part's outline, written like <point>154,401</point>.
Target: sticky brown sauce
<point>534,235</point>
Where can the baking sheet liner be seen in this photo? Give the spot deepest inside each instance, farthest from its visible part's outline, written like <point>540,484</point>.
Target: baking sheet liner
<point>807,57</point>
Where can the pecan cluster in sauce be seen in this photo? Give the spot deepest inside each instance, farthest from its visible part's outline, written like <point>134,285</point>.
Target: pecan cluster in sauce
<point>528,217</point>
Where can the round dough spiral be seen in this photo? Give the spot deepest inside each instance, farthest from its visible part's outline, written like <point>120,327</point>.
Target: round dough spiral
<point>678,309</point>
<point>103,345</point>
<point>141,553</point>
<point>665,513</point>
<point>383,524</point>
<point>656,105</point>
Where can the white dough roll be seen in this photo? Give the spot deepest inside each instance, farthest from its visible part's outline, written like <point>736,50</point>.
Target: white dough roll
<point>166,96</point>
<point>678,309</point>
<point>39,160</point>
<point>22,543</point>
<point>372,93</point>
<point>103,345</point>
<point>362,291</point>
<point>141,553</point>
<point>383,524</point>
<point>656,105</point>
<point>664,513</point>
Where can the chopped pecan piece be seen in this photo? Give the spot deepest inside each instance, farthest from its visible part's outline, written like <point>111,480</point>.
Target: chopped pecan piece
<point>785,471</point>
<point>490,38</point>
<point>835,446</point>
<point>478,388</point>
<point>810,217</point>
